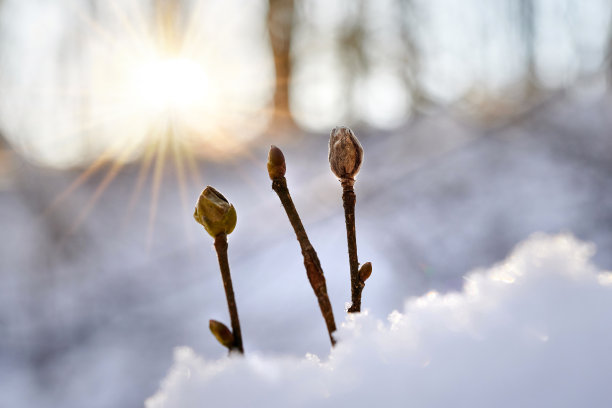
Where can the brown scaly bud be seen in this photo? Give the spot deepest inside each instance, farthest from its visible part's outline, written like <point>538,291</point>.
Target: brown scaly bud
<point>345,153</point>
<point>221,333</point>
<point>365,271</point>
<point>276,163</point>
<point>215,213</point>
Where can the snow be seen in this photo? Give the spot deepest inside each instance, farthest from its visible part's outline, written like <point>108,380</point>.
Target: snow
<point>533,330</point>
<point>435,199</point>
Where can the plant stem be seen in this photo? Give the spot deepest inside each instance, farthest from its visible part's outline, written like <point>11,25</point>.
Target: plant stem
<point>221,248</point>
<point>348,200</point>
<point>311,260</point>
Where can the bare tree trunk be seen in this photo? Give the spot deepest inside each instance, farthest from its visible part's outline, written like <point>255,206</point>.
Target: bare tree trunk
<point>166,14</point>
<point>608,55</point>
<point>280,28</point>
<point>356,60</point>
<point>526,16</point>
<point>411,59</point>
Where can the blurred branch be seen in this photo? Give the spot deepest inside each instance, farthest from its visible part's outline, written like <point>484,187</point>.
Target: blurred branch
<point>411,58</point>
<point>280,29</point>
<point>608,51</point>
<point>353,54</point>
<point>526,22</point>
<point>166,20</point>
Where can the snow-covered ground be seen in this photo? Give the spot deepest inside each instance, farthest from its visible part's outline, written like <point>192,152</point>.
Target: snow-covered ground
<point>91,318</point>
<point>532,331</point>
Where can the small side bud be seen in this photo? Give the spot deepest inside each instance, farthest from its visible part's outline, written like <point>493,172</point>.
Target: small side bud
<point>365,271</point>
<point>345,153</point>
<point>215,213</point>
<point>221,333</point>
<point>276,163</point>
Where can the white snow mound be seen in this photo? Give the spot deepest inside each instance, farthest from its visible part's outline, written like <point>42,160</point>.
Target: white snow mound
<point>532,331</point>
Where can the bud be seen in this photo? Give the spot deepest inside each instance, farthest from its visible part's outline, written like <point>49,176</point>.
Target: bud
<point>276,163</point>
<point>214,212</point>
<point>345,153</point>
<point>365,271</point>
<point>221,333</point>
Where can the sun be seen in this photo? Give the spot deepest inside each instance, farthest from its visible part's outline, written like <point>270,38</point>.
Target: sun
<point>153,90</point>
<point>178,86</point>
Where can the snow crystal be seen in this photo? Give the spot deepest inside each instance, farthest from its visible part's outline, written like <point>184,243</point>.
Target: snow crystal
<point>534,330</point>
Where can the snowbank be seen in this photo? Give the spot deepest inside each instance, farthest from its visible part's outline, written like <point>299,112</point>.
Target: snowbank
<point>534,330</point>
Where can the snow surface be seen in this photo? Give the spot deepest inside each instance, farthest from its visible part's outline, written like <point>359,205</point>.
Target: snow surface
<point>532,331</point>
<point>435,199</point>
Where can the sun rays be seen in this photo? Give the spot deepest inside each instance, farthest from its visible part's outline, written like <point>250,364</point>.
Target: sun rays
<point>161,92</point>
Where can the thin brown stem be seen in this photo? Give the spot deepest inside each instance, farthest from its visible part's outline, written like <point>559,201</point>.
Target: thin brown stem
<point>311,260</point>
<point>348,200</point>
<point>221,248</point>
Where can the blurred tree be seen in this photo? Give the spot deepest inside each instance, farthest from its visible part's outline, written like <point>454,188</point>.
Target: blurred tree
<point>353,55</point>
<point>411,58</point>
<point>527,23</point>
<point>280,29</point>
<point>166,15</point>
<point>608,52</point>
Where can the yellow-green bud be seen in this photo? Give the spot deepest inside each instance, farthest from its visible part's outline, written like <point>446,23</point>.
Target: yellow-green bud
<point>365,271</point>
<point>276,163</point>
<point>345,153</point>
<point>221,333</point>
<point>214,212</point>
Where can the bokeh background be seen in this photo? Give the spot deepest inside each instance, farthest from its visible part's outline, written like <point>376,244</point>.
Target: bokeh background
<point>482,122</point>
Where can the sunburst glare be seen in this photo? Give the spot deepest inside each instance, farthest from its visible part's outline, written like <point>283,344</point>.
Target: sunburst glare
<point>136,69</point>
<point>175,85</point>
<point>145,79</point>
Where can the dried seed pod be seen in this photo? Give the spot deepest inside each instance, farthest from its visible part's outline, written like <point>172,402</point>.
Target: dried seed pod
<point>276,163</point>
<point>215,213</point>
<point>365,271</point>
<point>221,333</point>
<point>345,153</point>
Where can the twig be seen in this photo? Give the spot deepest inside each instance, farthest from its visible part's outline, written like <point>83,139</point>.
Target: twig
<point>221,248</point>
<point>218,217</point>
<point>314,272</point>
<point>348,201</point>
<point>345,158</point>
